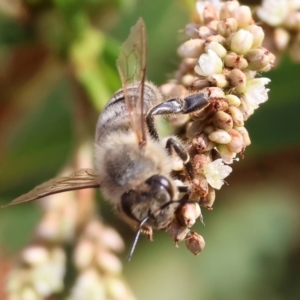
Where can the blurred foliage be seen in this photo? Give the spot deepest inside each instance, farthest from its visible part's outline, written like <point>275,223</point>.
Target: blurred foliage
<point>58,70</point>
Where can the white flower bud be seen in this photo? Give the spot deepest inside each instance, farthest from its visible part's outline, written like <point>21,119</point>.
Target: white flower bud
<point>228,8</point>
<point>208,64</point>
<point>84,254</point>
<point>220,136</point>
<point>191,48</point>
<point>88,285</point>
<point>258,34</point>
<point>243,16</point>
<point>243,131</point>
<point>218,80</point>
<point>217,48</point>
<point>108,262</point>
<point>241,41</point>
<point>35,255</point>
<point>281,38</point>
<point>236,115</point>
<point>233,100</point>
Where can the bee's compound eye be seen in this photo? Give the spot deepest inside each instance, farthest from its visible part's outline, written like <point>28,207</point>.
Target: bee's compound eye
<point>159,181</point>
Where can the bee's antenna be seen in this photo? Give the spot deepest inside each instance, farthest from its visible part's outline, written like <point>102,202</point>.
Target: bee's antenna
<point>137,237</point>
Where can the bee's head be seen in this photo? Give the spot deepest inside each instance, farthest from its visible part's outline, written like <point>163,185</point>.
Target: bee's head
<point>152,200</point>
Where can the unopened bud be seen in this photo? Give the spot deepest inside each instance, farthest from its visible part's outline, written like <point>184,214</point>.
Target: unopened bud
<point>292,22</point>
<point>257,59</point>
<point>220,136</point>
<point>35,255</point>
<point>244,133</point>
<point>236,115</point>
<point>233,60</point>
<point>191,48</point>
<point>172,90</point>
<point>199,84</point>
<point>188,214</point>
<point>205,32</point>
<point>201,143</point>
<point>192,30</point>
<point>209,13</point>
<point>238,80</point>
<point>228,8</point>
<point>187,64</point>
<point>217,48</point>
<point>233,100</point>
<point>243,16</point>
<point>236,144</point>
<point>209,199</point>
<point>258,35</point>
<point>195,242</point>
<point>222,120</point>
<point>177,232</point>
<point>216,38</point>
<point>84,254</point>
<point>281,38</point>
<point>218,80</point>
<point>226,154</point>
<point>108,262</point>
<point>188,79</point>
<point>227,26</point>
<point>241,41</point>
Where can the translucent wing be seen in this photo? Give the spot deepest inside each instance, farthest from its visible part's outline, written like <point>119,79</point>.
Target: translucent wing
<point>81,179</point>
<point>131,65</point>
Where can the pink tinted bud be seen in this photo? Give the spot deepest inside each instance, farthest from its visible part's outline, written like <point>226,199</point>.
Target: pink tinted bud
<point>191,48</point>
<point>236,144</point>
<point>238,80</point>
<point>243,16</point>
<point>236,115</point>
<point>227,26</point>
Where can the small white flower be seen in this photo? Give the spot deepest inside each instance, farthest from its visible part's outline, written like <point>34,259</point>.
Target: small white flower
<point>255,94</point>
<point>209,63</point>
<point>215,172</point>
<point>273,12</point>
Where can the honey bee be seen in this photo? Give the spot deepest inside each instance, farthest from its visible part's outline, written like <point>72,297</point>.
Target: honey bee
<point>133,165</point>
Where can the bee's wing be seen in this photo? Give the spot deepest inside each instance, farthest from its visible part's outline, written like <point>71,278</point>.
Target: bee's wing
<point>81,179</point>
<point>131,65</point>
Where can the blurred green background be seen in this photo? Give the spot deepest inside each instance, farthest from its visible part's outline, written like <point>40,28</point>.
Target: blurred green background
<point>57,70</point>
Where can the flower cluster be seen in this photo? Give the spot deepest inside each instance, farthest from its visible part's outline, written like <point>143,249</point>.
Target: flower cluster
<point>41,271</point>
<point>221,59</point>
<point>281,22</point>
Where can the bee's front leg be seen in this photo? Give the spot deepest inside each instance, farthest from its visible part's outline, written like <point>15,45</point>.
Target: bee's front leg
<point>176,106</point>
